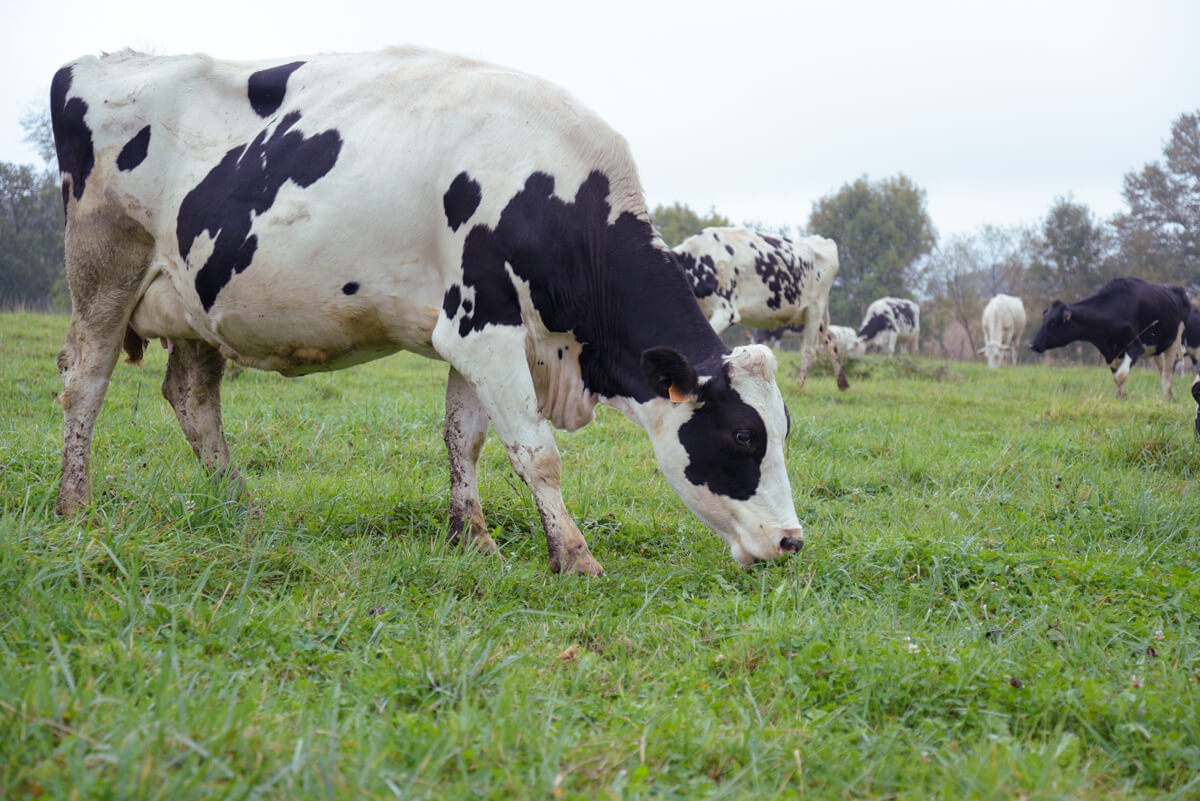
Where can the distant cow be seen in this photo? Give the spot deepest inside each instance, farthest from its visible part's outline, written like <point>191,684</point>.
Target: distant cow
<point>1003,323</point>
<point>888,322</point>
<point>1127,319</point>
<point>842,335</point>
<point>310,214</point>
<point>764,281</point>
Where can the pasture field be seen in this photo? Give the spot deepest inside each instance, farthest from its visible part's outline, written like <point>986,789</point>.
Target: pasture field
<point>998,598</point>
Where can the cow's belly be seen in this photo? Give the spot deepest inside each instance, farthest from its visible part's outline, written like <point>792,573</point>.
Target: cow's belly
<point>289,327</point>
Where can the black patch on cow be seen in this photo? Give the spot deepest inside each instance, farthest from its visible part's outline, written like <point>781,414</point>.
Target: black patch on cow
<point>350,288</point>
<point>729,249</point>
<point>781,272</point>
<point>451,301</point>
<point>716,458</point>
<point>876,325</point>
<point>266,88</point>
<point>467,305</point>
<point>612,287</point>
<point>700,273</point>
<point>134,152</point>
<point>461,200</point>
<point>72,136</point>
<point>242,187</point>
<point>904,311</point>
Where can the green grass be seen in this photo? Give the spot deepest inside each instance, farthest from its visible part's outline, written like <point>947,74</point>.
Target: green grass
<point>997,599</point>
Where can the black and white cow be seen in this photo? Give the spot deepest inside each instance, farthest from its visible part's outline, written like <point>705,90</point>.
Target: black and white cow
<point>310,214</point>
<point>767,282</point>
<point>888,322</point>
<point>1128,318</point>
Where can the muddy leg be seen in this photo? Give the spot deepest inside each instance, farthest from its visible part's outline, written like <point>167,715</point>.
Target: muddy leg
<point>192,386</point>
<point>465,433</point>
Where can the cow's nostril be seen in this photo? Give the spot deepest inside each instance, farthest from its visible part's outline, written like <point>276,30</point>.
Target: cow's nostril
<point>791,544</point>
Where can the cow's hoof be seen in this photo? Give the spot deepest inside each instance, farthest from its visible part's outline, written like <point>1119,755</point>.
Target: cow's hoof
<point>580,564</point>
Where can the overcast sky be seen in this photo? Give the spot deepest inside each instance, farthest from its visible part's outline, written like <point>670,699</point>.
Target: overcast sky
<point>754,108</point>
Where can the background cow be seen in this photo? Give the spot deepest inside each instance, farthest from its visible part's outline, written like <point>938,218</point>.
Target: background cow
<point>888,322</point>
<point>764,281</point>
<point>1003,324</point>
<point>1126,319</point>
<point>311,214</point>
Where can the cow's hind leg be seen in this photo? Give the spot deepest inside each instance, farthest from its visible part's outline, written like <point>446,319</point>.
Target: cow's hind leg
<point>106,260</point>
<point>465,433</point>
<point>193,388</point>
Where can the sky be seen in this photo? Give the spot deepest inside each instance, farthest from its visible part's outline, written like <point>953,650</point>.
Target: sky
<point>755,109</point>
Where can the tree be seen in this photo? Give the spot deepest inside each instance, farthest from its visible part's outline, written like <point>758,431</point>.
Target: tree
<point>882,231</point>
<point>677,222</point>
<point>1159,236</point>
<point>1070,253</point>
<point>31,237</point>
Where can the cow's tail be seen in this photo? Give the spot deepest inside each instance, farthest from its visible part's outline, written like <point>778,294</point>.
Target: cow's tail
<point>135,345</point>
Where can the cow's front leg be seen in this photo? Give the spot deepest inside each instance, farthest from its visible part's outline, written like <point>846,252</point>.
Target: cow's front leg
<point>493,364</point>
<point>465,433</point>
<point>192,386</point>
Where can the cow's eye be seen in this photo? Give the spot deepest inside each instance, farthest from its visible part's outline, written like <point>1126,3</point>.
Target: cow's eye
<point>743,437</point>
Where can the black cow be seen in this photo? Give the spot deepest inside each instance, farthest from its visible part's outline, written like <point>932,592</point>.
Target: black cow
<point>1127,319</point>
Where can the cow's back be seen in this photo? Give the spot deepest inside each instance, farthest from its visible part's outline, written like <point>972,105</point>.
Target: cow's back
<point>310,213</point>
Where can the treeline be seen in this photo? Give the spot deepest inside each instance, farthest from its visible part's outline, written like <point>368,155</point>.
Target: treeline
<point>888,246</point>
<point>887,243</point>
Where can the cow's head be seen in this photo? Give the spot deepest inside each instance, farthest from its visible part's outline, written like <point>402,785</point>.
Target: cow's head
<point>1057,328</point>
<point>719,442</point>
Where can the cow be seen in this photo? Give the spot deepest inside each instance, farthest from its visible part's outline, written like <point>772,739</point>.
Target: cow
<point>764,281</point>
<point>1128,318</point>
<point>1003,324</point>
<point>889,321</point>
<point>309,214</point>
<point>843,336</point>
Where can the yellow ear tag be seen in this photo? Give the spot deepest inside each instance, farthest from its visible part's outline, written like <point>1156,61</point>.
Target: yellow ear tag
<point>676,396</point>
<point>1067,319</point>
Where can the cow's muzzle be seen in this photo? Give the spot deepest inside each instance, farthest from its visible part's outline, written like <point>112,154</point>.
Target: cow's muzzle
<point>791,544</point>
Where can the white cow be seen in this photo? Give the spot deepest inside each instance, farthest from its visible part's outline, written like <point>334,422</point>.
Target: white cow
<point>765,281</point>
<point>888,322</point>
<point>1003,323</point>
<point>311,214</point>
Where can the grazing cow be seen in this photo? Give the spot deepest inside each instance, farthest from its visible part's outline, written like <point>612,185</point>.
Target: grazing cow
<point>843,336</point>
<point>764,281</point>
<point>1003,323</point>
<point>310,214</point>
<point>889,321</point>
<point>1127,319</point>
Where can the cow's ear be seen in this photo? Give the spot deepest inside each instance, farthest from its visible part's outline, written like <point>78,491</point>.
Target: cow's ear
<point>669,374</point>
